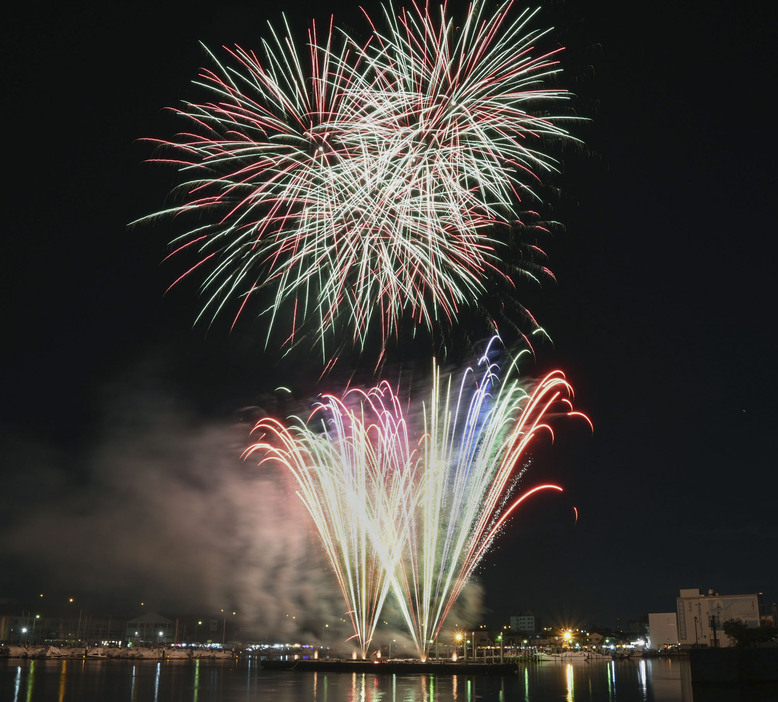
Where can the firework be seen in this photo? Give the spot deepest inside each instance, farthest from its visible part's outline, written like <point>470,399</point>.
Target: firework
<point>359,185</point>
<point>471,456</point>
<point>409,515</point>
<point>351,463</point>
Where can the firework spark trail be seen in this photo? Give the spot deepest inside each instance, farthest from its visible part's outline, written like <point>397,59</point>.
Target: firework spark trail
<point>471,454</point>
<point>458,95</point>
<point>351,465</point>
<point>414,516</point>
<point>264,156</point>
<point>359,184</point>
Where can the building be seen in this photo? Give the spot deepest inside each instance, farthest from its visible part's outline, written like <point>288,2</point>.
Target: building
<point>57,626</point>
<point>524,622</point>
<point>662,630</point>
<point>701,616</point>
<point>150,628</point>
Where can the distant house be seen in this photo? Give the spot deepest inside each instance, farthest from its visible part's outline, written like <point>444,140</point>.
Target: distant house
<point>701,616</point>
<point>150,628</point>
<point>594,638</point>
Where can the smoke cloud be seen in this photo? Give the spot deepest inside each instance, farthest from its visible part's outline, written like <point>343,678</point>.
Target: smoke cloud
<point>161,508</point>
<point>164,510</point>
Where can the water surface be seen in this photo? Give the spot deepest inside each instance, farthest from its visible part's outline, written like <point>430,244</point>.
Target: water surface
<point>192,681</point>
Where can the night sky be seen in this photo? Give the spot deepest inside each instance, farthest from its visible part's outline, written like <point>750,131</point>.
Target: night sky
<point>121,421</point>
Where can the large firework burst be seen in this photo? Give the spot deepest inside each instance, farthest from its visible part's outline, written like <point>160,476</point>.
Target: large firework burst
<point>358,184</point>
<point>414,509</point>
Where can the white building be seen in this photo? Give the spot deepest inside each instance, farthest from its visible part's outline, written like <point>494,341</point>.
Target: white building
<point>524,622</point>
<point>662,630</point>
<point>701,616</point>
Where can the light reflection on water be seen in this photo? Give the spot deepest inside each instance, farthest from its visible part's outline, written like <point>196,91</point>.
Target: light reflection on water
<point>642,680</point>
<point>62,679</point>
<point>198,681</point>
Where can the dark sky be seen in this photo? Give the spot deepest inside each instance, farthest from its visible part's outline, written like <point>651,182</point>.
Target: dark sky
<point>662,318</point>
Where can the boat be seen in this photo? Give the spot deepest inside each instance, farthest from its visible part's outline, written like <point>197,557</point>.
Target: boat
<point>178,654</point>
<point>96,652</point>
<point>574,656</point>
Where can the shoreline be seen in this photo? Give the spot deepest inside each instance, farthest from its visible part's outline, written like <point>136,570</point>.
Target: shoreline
<point>102,653</point>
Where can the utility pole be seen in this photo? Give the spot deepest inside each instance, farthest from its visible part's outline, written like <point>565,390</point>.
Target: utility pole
<point>713,627</point>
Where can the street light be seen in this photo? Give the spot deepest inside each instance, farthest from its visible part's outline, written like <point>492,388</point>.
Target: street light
<point>34,621</point>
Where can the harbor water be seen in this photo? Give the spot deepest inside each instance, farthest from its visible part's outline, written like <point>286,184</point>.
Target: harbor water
<point>68,680</point>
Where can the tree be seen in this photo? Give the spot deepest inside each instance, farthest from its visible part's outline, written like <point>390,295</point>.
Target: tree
<point>747,636</point>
